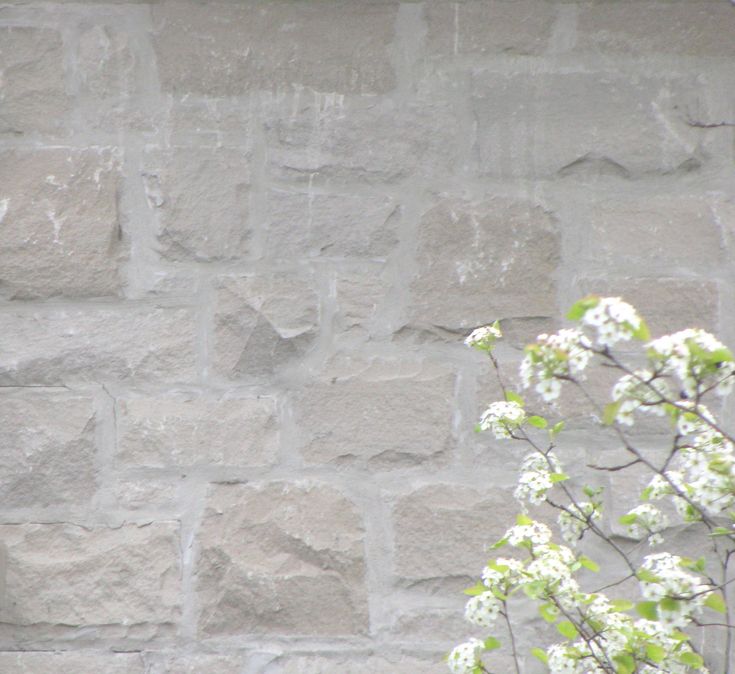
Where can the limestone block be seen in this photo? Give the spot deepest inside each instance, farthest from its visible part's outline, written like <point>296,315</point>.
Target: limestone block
<point>194,663</point>
<point>361,294</point>
<point>442,530</point>
<point>185,431</point>
<point>386,421</point>
<point>358,663</point>
<point>47,447</point>
<point>505,252</point>
<point>59,228</point>
<point>57,346</point>
<point>105,62</point>
<point>82,662</point>
<point>270,554</point>
<point>34,97</point>
<point>489,27</point>
<point>197,121</point>
<point>262,322</point>
<point>334,225</point>
<point>229,49</point>
<point>583,124</point>
<point>71,575</point>
<point>201,199</point>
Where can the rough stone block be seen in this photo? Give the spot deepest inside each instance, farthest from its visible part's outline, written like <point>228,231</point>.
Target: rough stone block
<point>145,493</point>
<point>49,346</point>
<point>262,323</point>
<point>505,252</point>
<point>312,137</point>
<point>193,663</point>
<point>34,97</point>
<point>196,121</point>
<point>62,574</point>
<point>59,229</point>
<point>692,28</point>
<point>482,27</point>
<point>269,554</point>
<point>167,431</point>
<point>333,225</point>
<point>361,294</point>
<point>229,49</point>
<point>442,530</point>
<point>47,447</point>
<point>583,125</point>
<point>201,200</point>
<point>84,662</point>
<point>358,663</point>
<point>357,419</point>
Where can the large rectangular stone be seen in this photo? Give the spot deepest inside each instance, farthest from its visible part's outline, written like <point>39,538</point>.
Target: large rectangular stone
<point>83,662</point>
<point>357,663</point>
<point>62,574</point>
<point>504,251</point>
<point>186,431</point>
<point>226,49</point>
<point>269,555</point>
<point>99,343</point>
<point>59,227</point>
<point>47,447</point>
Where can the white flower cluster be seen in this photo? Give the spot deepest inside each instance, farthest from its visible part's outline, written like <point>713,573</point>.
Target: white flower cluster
<point>502,574</point>
<point>483,609</point>
<point>533,533</point>
<point>696,358</point>
<point>502,418</point>
<point>613,320</point>
<point>466,657</point>
<point>563,354</point>
<point>639,391</point>
<point>484,338</point>
<point>647,521</point>
<point>536,477</point>
<point>574,521</point>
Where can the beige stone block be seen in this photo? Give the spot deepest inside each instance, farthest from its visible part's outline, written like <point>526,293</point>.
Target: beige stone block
<point>81,662</point>
<point>47,447</point>
<point>186,431</point>
<point>228,49</point>
<point>141,342</point>
<point>359,663</point>
<point>505,252</point>
<point>195,663</point>
<point>71,575</point>
<point>59,228</point>
<point>270,554</point>
<point>361,295</point>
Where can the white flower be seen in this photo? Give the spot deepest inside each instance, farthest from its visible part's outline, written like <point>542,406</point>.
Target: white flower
<point>483,609</point>
<point>535,533</point>
<point>613,320</point>
<point>465,657</point>
<point>502,418</point>
<point>574,521</point>
<point>484,338</point>
<point>535,477</point>
<point>649,523</point>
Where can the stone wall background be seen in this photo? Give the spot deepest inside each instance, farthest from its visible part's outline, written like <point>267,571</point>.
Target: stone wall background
<point>240,244</point>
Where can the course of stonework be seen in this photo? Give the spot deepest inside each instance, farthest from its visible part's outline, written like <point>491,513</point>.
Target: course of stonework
<point>240,245</point>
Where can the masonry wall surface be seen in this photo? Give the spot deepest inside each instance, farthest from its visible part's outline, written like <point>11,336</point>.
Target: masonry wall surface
<point>240,245</point>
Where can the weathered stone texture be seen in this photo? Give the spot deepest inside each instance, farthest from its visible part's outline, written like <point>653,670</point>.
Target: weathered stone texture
<point>262,322</point>
<point>189,431</point>
<point>359,663</point>
<point>71,575</point>
<point>201,200</point>
<point>192,663</point>
<point>34,96</point>
<point>504,251</point>
<point>47,447</point>
<point>269,554</point>
<point>361,294</point>
<point>57,346</point>
<point>223,49</point>
<point>59,227</point>
<point>354,420</point>
<point>85,662</point>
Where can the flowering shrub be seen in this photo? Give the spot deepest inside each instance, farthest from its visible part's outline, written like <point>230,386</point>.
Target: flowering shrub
<point>650,627</point>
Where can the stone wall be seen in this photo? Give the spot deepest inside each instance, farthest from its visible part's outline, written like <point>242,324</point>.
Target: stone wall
<point>240,245</point>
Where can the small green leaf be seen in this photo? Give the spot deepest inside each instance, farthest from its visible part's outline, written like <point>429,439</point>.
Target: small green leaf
<point>501,543</point>
<point>558,477</point>
<point>669,604</point>
<point>647,576</point>
<point>491,643</point>
<point>642,333</point>
<point>646,494</point>
<point>475,590</point>
<point>538,422</point>
<point>549,612</point>
<point>557,428</point>
<point>567,629</point>
<point>587,563</point>
<point>523,520</point>
<point>691,659</point>
<point>514,398</point>
<point>721,531</point>
<point>540,654</point>
<point>647,609</point>
<point>610,412</point>
<point>621,605</point>
<point>655,652</point>
<point>478,428</point>
<point>625,663</point>
<point>716,603</point>
<point>581,307</point>
<point>628,519</point>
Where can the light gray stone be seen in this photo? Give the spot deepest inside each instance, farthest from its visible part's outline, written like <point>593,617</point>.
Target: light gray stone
<point>196,121</point>
<point>186,431</point>
<point>201,200</point>
<point>227,49</point>
<point>47,447</point>
<point>504,251</point>
<point>84,662</point>
<point>34,97</point>
<point>361,294</point>
<point>359,663</point>
<point>269,554</point>
<point>59,228</point>
<point>194,663</point>
<point>262,322</point>
<point>107,343</point>
<point>333,225</point>
<point>71,575</point>
<point>384,420</point>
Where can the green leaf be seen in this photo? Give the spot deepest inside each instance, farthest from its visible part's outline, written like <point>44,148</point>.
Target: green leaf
<point>610,412</point>
<point>581,307</point>
<point>478,428</point>
<point>523,520</point>
<point>587,563</point>
<point>621,605</point>
<point>721,531</point>
<point>548,612</point>
<point>647,609</point>
<point>655,652</point>
<point>540,654</point>
<point>646,494</point>
<point>647,576</point>
<point>475,590</point>
<point>669,604</point>
<point>514,398</point>
<point>491,643</point>
<point>567,629</point>
<point>538,422</point>
<point>501,543</point>
<point>625,663</point>
<point>642,333</point>
<point>716,603</point>
<point>558,477</point>
<point>556,429</point>
<point>690,659</point>
<point>628,519</point>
